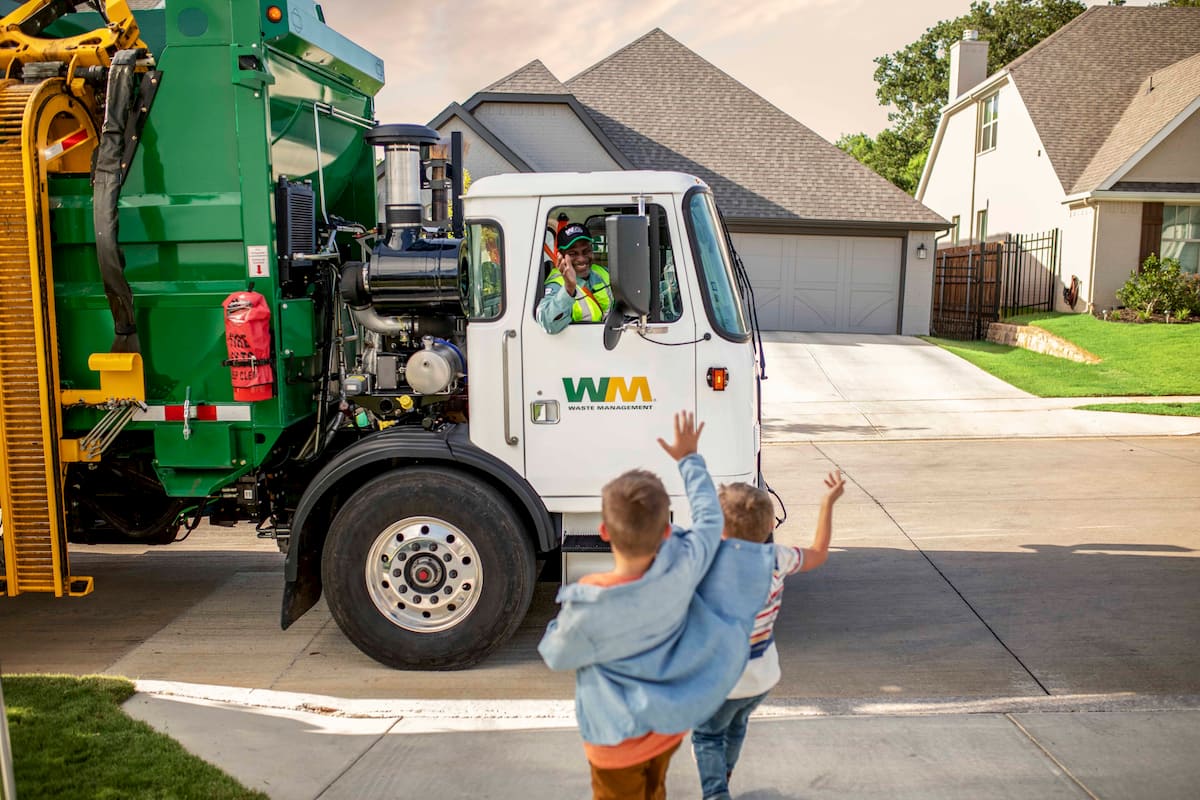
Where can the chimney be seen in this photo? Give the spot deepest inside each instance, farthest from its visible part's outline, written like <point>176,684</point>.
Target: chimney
<point>968,64</point>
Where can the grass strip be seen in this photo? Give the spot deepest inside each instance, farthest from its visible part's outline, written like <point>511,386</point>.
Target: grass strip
<point>1152,359</point>
<point>70,739</point>
<point>1161,409</point>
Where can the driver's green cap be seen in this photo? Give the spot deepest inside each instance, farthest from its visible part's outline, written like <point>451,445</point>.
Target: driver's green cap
<point>570,234</point>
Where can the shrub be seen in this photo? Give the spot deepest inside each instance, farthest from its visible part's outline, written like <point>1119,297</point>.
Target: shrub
<point>1161,288</point>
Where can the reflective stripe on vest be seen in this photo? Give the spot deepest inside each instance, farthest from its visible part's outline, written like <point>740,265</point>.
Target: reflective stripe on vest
<point>584,307</point>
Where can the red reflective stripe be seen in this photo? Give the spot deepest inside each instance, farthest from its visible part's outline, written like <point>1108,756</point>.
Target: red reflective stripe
<point>173,413</point>
<point>75,138</point>
<point>206,413</point>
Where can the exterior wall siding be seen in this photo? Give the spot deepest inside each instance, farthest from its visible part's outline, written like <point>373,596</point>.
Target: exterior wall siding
<point>549,136</point>
<point>1076,254</point>
<point>1014,181</point>
<point>1118,234</point>
<point>480,158</point>
<point>1177,158</point>
<point>918,285</point>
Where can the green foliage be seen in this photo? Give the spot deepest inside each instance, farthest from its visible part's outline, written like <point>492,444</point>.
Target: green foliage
<point>914,80</point>
<point>1161,288</point>
<point>71,739</point>
<point>895,157</point>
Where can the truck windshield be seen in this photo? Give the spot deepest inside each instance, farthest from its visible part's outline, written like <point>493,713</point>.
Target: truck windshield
<point>721,298</point>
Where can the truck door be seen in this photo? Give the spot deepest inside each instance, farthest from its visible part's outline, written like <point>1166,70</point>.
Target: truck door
<point>589,413</point>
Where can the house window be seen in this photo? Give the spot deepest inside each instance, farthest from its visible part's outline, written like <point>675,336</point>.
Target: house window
<point>1181,236</point>
<point>987,122</point>
<point>956,221</point>
<point>981,224</point>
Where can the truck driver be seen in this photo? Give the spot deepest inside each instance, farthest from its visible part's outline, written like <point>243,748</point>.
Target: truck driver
<point>576,290</point>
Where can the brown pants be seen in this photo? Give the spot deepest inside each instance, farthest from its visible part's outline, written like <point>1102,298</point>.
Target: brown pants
<point>645,781</point>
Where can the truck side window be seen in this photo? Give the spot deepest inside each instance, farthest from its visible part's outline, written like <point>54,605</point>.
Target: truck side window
<point>481,278</point>
<point>667,305</point>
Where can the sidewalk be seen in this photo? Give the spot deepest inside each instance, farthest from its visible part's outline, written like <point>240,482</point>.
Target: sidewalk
<point>304,747</point>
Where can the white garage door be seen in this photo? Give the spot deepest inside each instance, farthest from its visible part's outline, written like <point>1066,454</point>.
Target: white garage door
<point>843,284</point>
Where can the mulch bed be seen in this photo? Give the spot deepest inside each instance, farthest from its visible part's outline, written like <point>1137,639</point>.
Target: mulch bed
<point>1130,315</point>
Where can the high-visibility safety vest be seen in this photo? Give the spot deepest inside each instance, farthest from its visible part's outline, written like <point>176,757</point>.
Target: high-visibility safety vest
<point>585,308</point>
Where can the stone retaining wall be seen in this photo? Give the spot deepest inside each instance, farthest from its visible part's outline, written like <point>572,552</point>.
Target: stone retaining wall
<point>1039,341</point>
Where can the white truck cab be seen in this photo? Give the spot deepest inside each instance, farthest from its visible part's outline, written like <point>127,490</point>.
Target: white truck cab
<point>564,410</point>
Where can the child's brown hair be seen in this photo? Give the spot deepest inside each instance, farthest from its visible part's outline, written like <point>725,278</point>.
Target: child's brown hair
<point>636,511</point>
<point>749,512</point>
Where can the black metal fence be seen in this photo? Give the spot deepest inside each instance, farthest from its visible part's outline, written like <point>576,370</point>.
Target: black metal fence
<point>976,285</point>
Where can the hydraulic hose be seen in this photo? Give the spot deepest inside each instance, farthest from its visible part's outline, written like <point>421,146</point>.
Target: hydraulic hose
<point>107,177</point>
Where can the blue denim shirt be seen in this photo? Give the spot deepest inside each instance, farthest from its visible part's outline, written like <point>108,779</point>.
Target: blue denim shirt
<point>662,652</point>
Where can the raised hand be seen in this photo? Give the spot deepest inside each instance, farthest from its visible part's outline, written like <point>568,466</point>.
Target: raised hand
<point>568,273</point>
<point>835,482</point>
<point>687,436</point>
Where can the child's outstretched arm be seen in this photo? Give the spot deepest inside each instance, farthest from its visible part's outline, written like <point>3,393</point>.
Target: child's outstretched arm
<point>707,519</point>
<point>816,555</point>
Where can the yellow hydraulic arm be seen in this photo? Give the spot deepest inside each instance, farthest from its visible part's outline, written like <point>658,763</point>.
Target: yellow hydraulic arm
<point>47,125</point>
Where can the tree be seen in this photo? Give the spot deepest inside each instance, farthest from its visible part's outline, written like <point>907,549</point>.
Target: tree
<point>914,80</point>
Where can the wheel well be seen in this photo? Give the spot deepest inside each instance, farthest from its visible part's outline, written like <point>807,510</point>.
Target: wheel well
<point>316,524</point>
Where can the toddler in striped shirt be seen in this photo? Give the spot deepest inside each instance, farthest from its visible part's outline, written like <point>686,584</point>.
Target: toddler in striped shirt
<point>749,515</point>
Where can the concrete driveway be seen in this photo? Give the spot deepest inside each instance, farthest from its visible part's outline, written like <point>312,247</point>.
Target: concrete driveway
<point>838,387</point>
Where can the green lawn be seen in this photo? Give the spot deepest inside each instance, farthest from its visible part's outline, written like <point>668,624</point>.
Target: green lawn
<point>1163,409</point>
<point>1150,359</point>
<point>70,739</point>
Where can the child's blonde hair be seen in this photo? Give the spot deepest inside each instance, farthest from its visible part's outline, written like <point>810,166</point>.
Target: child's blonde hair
<point>636,511</point>
<point>749,512</point>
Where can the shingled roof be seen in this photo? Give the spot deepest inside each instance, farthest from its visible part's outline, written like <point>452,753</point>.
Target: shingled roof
<point>533,78</point>
<point>1159,100</point>
<point>1081,85</point>
<point>665,107</point>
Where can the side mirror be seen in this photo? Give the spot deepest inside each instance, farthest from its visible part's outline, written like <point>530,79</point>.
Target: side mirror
<point>628,240</point>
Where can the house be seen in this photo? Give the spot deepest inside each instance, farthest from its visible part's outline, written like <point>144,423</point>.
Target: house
<point>1095,133</point>
<point>828,244</point>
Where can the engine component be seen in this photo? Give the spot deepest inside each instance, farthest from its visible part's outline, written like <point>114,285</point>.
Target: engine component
<point>396,282</point>
<point>437,368</point>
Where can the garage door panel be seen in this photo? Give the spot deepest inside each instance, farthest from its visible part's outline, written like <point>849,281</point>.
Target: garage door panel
<point>813,309</point>
<point>769,305</point>
<point>823,283</point>
<point>873,312</point>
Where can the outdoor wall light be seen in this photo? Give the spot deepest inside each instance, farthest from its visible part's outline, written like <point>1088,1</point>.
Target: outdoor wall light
<point>921,250</point>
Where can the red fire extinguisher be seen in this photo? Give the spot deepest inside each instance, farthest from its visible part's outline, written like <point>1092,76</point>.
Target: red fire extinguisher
<point>248,340</point>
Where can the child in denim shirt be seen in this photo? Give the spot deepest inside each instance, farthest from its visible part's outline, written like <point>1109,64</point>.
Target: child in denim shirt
<point>658,642</point>
<point>750,516</point>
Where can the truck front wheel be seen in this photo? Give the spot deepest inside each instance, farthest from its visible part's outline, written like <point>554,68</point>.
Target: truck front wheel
<point>427,568</point>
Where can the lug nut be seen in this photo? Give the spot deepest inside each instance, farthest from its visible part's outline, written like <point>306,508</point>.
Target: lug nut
<point>416,599</point>
<point>402,589</point>
<point>446,557</point>
<point>453,573</point>
<point>448,590</point>
<point>395,573</point>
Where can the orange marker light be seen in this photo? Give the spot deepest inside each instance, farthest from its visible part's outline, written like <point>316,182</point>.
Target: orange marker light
<point>274,13</point>
<point>718,378</point>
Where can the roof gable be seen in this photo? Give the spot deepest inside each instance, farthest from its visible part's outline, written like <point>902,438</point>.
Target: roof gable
<point>1162,100</point>
<point>533,78</point>
<point>665,107</point>
<point>1078,83</point>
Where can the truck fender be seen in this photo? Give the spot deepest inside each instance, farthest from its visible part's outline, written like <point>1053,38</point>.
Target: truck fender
<point>390,448</point>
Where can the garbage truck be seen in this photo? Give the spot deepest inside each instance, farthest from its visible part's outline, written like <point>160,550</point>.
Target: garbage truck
<point>229,294</point>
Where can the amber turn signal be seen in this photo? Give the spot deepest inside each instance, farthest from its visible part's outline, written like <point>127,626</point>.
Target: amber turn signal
<point>274,13</point>
<point>718,378</point>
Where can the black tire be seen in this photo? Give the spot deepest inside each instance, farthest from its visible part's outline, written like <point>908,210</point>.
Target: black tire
<point>370,529</point>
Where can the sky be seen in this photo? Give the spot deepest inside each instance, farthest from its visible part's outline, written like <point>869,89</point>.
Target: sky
<point>814,59</point>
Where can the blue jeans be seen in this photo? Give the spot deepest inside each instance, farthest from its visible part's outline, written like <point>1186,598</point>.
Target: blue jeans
<point>717,744</point>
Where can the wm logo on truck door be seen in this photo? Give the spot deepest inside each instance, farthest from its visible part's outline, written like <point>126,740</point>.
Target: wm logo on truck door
<point>608,390</point>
